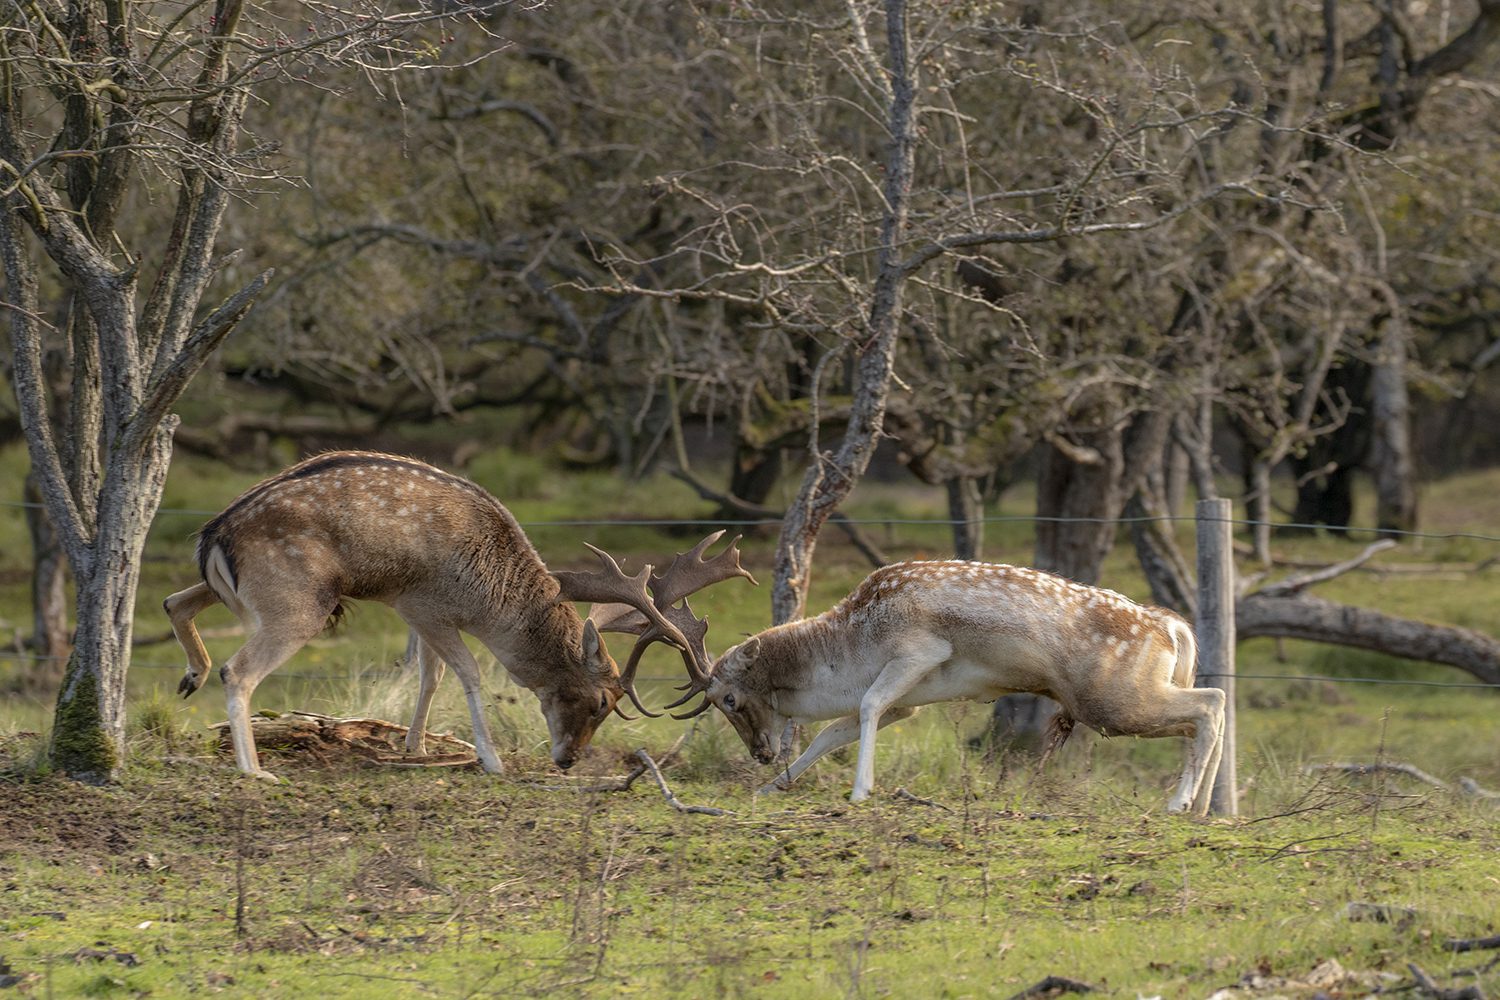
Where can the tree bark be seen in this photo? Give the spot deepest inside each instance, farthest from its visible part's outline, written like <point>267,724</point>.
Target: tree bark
<point>1390,419</point>
<point>830,478</point>
<point>1301,616</point>
<point>49,592</point>
<point>1077,503</point>
<point>966,511</point>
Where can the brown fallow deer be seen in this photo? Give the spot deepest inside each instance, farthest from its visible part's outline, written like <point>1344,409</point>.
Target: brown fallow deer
<point>449,558</point>
<point>922,632</point>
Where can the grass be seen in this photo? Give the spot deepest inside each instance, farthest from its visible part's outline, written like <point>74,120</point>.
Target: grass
<point>350,878</point>
<point>345,879</point>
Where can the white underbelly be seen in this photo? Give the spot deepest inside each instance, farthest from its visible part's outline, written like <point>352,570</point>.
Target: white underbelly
<point>960,679</point>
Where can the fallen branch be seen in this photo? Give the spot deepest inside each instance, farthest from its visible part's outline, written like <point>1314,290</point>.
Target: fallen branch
<point>1466,786</point>
<point>1410,770</point>
<point>906,796</point>
<point>321,736</point>
<point>1296,584</point>
<point>623,784</point>
<point>1053,986</point>
<point>1471,787</point>
<point>1432,989</point>
<point>1472,944</point>
<point>673,800</point>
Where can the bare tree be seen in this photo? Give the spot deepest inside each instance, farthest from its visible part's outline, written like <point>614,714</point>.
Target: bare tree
<point>105,107</point>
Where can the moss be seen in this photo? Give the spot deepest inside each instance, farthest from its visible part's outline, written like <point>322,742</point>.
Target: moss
<point>81,748</point>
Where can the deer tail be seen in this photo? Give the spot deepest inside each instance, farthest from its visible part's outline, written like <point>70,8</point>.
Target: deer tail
<point>1185,670</point>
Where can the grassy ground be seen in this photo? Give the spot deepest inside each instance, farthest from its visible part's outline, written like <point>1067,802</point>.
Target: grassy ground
<point>977,878</point>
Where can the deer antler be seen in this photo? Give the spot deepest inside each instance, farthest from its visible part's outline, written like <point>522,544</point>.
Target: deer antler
<point>620,596</point>
<point>689,573</point>
<point>659,617</point>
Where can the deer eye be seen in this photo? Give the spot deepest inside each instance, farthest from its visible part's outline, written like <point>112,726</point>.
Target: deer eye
<point>604,705</point>
<point>729,703</point>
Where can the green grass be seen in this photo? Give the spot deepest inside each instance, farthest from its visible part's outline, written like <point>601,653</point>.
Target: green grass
<point>349,878</point>
<point>454,884</point>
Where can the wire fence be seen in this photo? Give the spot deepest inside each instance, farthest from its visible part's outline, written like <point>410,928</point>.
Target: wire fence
<point>875,520</point>
<point>18,655</point>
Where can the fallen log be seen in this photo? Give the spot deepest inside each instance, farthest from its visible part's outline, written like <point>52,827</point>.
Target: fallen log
<point>324,738</point>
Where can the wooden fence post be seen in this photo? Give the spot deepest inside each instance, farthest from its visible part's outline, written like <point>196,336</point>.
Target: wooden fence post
<point>1215,629</point>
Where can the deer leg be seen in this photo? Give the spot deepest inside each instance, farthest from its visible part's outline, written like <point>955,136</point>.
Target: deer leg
<point>838,733</point>
<point>182,607</point>
<point>900,675</point>
<point>1201,798</point>
<point>430,673</point>
<point>448,645</point>
<point>1203,710</point>
<point>268,648</point>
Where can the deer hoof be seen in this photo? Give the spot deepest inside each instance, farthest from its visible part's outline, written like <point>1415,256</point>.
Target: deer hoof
<point>189,684</point>
<point>262,775</point>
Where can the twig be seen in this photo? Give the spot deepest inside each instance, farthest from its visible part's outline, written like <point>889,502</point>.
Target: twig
<point>1294,584</point>
<point>1052,986</point>
<point>1471,787</point>
<point>1432,989</point>
<point>857,538</point>
<point>1472,944</point>
<point>622,784</point>
<point>673,800</point>
<point>906,796</point>
<point>1410,770</point>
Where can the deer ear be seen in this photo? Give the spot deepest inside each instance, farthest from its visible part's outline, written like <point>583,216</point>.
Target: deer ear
<point>749,649</point>
<point>591,642</point>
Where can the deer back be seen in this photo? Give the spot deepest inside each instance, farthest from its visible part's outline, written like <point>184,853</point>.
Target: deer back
<point>1010,628</point>
<point>382,527</point>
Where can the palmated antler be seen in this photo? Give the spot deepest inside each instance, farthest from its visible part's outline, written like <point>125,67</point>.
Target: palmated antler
<point>688,574</point>
<point>625,606</point>
<point>610,587</point>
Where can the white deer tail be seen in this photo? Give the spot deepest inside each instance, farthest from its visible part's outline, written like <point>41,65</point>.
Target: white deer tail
<point>220,579</point>
<point>1185,670</point>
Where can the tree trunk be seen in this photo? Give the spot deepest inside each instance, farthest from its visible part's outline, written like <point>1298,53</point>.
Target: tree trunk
<point>830,478</point>
<point>1078,500</point>
<point>88,735</point>
<point>1258,506</point>
<point>966,511</point>
<point>1390,419</point>
<point>49,591</point>
<point>1301,616</point>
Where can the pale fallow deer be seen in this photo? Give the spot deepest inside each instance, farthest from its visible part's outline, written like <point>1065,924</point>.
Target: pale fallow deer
<point>449,558</point>
<point>916,633</point>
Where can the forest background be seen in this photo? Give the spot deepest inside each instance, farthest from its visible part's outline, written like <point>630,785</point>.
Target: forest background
<point>1087,262</point>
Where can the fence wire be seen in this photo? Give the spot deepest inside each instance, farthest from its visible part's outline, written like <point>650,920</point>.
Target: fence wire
<point>761,522</point>
<point>699,522</point>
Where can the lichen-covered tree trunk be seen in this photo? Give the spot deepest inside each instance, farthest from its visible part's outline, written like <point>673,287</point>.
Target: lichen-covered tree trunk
<point>831,477</point>
<point>88,733</point>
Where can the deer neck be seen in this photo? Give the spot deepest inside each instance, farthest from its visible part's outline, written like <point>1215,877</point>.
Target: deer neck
<point>540,644</point>
<point>793,655</point>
